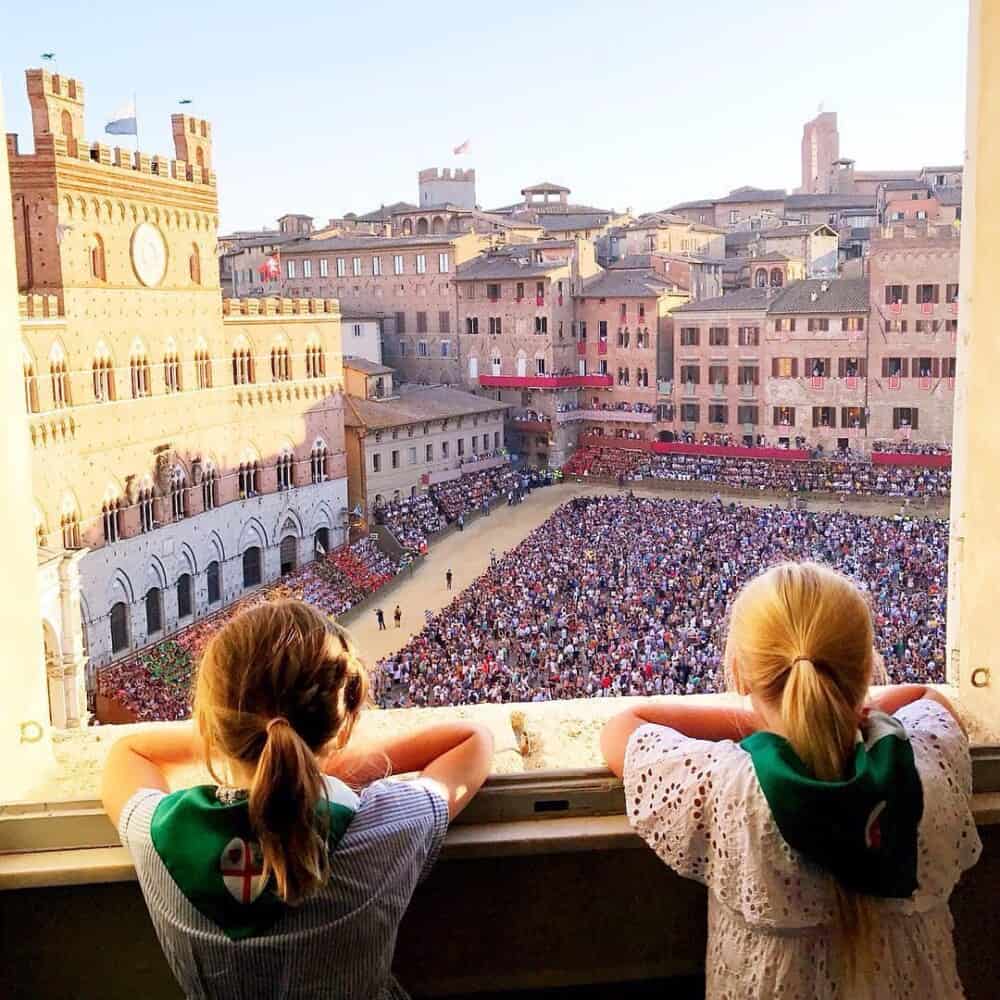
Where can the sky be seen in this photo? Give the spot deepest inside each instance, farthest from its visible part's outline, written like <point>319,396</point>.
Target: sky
<point>329,108</point>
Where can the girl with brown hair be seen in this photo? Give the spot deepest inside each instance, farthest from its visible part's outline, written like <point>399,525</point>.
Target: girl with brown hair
<point>830,832</point>
<point>289,876</point>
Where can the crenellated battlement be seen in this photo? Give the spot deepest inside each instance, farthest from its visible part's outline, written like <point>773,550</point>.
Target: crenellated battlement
<point>446,174</point>
<point>263,307</point>
<point>57,109</point>
<point>39,307</point>
<point>53,146</point>
<point>899,232</point>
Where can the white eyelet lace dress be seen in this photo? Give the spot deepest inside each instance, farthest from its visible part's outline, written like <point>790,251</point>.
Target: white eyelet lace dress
<point>699,805</point>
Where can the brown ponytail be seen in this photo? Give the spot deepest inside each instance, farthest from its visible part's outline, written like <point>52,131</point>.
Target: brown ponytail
<point>801,640</point>
<point>277,687</point>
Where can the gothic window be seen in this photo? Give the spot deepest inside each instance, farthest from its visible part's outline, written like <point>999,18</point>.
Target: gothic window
<point>184,595</point>
<point>103,374</point>
<point>154,611</point>
<point>243,367</point>
<point>318,463</point>
<point>214,584</point>
<point>281,364</point>
<point>59,378</point>
<point>251,567</point>
<point>139,371</point>
<point>315,361</point>
<point>194,265</point>
<point>70,524</point>
<point>145,504</point>
<point>178,493</point>
<point>172,371</point>
<point>30,383</point>
<point>111,518</point>
<point>210,488</point>
<point>249,479</point>
<point>119,627</point>
<point>203,368</point>
<point>285,466</point>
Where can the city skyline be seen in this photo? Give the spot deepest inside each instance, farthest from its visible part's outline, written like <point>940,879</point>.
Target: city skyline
<point>399,111</point>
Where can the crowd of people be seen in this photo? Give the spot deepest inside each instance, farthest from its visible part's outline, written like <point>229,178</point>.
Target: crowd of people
<point>155,684</point>
<point>620,595</point>
<point>912,447</point>
<point>414,520</point>
<point>836,475</point>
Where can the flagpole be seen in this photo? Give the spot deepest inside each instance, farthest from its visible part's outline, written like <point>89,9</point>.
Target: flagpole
<point>135,111</point>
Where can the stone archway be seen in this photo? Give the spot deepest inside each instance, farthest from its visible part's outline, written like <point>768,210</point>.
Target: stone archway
<point>422,227</point>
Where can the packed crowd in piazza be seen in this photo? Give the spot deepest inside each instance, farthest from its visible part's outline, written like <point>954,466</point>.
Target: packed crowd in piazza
<point>620,595</point>
<point>840,475</point>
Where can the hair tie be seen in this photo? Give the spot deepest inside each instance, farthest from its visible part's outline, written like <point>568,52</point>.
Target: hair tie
<point>806,659</point>
<point>278,719</point>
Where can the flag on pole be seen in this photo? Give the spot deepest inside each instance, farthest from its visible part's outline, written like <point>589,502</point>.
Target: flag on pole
<point>123,121</point>
<point>48,56</point>
<point>463,148</point>
<point>184,100</point>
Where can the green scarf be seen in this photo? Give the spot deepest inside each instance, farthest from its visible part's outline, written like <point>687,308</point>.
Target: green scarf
<point>206,842</point>
<point>863,829</point>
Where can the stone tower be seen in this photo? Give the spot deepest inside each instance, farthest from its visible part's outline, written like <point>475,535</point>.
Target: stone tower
<point>820,149</point>
<point>192,141</point>
<point>56,104</point>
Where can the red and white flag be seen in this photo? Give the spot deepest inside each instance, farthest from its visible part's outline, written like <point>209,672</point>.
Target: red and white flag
<point>462,148</point>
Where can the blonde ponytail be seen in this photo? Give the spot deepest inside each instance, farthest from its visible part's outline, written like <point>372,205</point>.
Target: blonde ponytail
<point>801,641</point>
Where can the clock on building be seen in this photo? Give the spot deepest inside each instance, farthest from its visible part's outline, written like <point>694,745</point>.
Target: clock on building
<point>149,254</point>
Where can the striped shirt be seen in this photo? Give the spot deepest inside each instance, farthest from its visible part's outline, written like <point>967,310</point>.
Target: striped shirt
<point>338,943</point>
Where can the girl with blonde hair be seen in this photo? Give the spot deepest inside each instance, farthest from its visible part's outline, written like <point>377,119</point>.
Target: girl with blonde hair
<point>830,831</point>
<point>289,876</point>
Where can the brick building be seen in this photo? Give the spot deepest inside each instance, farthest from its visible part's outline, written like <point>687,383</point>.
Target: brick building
<point>914,316</point>
<point>184,449</point>
<point>407,281</point>
<point>515,323</point>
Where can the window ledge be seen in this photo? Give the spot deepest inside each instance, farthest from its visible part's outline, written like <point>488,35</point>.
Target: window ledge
<point>520,838</point>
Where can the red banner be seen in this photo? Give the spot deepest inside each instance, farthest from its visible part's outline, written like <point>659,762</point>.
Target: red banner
<point>730,451</point>
<point>905,458</point>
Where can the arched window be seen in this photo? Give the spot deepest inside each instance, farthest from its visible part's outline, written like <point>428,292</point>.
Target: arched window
<point>214,583</point>
<point>249,479</point>
<point>321,542</point>
<point>315,360</point>
<point>497,363</point>
<point>154,611</point>
<point>251,567</point>
<point>777,278</point>
<point>70,524</point>
<point>119,627</point>
<point>437,226</point>
<point>194,263</point>
<point>145,504</point>
<point>210,487</point>
<point>59,378</point>
<point>138,364</point>
<point>281,364</point>
<point>203,366</point>
<point>178,493</point>
<point>289,554</point>
<point>760,277</point>
<point>172,371</point>
<point>97,268</point>
<point>184,595</point>
<point>422,227</point>
<point>111,519</point>
<point>317,463</point>
<point>30,382</point>
<point>285,467</point>
<point>66,124</point>
<point>407,227</point>
<point>243,366</point>
<point>104,374</point>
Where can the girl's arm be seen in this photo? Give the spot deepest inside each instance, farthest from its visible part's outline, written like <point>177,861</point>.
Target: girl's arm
<point>455,756</point>
<point>138,761</point>
<point>700,722</point>
<point>900,695</point>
